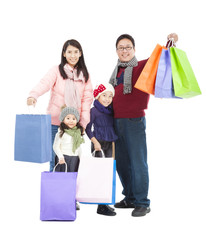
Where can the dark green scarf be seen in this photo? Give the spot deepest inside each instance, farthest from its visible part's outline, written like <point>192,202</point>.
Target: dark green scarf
<point>75,133</point>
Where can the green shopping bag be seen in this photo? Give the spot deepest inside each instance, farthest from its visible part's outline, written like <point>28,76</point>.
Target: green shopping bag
<point>184,80</point>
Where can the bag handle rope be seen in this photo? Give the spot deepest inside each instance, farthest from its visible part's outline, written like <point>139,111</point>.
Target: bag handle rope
<point>93,154</point>
<point>170,43</point>
<point>58,164</point>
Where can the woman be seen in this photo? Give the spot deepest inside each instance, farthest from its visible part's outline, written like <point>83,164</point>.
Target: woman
<point>69,84</point>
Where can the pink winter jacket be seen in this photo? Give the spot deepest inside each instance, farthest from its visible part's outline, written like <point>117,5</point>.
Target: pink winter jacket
<point>53,81</point>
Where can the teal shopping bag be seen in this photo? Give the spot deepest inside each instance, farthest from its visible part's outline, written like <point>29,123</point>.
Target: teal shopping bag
<point>184,80</point>
<point>33,141</point>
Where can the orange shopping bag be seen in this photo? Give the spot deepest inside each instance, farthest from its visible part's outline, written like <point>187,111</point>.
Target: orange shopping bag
<point>146,80</point>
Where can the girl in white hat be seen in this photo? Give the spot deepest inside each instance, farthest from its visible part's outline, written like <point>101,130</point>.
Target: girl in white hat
<point>100,129</point>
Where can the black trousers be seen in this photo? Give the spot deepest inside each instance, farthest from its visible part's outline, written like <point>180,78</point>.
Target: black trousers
<point>106,148</point>
<point>71,161</point>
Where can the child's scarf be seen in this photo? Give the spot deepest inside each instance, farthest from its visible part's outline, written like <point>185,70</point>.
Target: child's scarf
<point>75,133</point>
<point>103,109</point>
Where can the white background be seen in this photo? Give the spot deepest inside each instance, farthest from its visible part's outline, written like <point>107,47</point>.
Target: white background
<point>32,36</point>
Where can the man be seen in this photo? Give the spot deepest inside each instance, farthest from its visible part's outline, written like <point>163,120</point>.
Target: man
<point>129,106</point>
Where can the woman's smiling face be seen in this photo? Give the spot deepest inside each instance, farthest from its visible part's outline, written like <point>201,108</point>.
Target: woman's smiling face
<point>72,55</point>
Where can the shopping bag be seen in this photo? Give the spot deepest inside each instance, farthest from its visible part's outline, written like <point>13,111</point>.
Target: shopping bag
<point>164,85</point>
<point>58,192</point>
<point>184,80</point>
<point>146,80</point>
<point>33,141</point>
<point>96,180</point>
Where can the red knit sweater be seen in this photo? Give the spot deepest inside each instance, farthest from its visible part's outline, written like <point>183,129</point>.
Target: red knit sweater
<point>130,105</point>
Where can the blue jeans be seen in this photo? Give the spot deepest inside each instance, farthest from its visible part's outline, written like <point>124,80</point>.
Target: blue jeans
<point>131,159</point>
<point>54,131</point>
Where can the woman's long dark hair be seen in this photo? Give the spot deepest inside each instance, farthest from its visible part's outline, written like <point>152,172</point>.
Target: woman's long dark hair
<point>63,126</point>
<point>81,66</point>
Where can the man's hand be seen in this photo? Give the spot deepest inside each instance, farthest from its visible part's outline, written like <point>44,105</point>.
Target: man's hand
<point>173,36</point>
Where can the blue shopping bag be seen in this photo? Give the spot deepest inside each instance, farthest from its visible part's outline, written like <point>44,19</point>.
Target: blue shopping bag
<point>33,141</point>
<point>58,192</point>
<point>164,84</point>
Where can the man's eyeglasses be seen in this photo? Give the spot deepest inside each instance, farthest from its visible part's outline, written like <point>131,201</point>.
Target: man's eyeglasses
<point>121,49</point>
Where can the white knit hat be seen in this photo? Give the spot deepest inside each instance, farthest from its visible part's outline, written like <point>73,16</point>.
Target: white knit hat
<point>101,88</point>
<point>69,110</point>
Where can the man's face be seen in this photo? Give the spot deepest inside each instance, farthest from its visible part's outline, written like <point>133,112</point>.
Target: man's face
<point>125,50</point>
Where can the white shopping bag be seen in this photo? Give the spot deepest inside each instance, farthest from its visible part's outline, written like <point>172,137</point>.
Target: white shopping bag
<point>96,180</point>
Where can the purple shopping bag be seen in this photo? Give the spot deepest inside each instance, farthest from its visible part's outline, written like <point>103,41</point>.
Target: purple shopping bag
<point>164,84</point>
<point>58,192</point>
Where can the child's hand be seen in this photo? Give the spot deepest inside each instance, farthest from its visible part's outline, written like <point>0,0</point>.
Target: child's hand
<point>61,161</point>
<point>97,146</point>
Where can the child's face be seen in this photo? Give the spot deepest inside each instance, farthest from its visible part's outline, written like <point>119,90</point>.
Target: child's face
<point>106,98</point>
<point>72,55</point>
<point>70,120</point>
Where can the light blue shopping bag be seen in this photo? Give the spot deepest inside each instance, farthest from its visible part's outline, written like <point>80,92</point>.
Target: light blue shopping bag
<point>164,85</point>
<point>33,141</point>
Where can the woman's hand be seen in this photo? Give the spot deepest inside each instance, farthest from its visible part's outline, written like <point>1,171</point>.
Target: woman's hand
<point>31,101</point>
<point>174,36</point>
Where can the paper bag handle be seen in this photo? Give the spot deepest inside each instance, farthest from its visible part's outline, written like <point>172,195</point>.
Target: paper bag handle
<point>58,164</point>
<point>93,154</point>
<point>33,110</point>
<point>170,43</point>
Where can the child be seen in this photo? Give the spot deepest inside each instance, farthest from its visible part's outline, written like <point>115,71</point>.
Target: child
<point>102,135</point>
<point>69,83</point>
<point>68,140</point>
